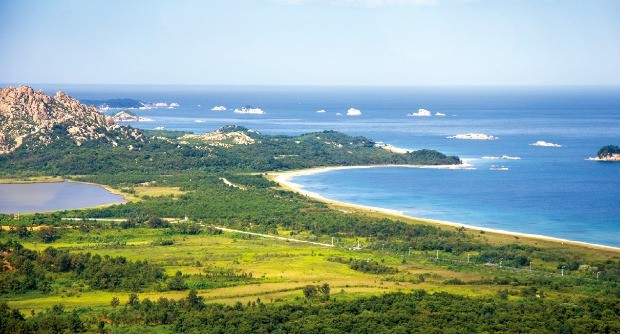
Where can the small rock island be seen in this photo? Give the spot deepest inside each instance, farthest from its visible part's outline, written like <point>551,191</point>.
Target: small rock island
<point>128,116</point>
<point>608,153</point>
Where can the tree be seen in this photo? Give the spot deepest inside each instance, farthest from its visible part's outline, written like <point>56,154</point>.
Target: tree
<point>129,223</point>
<point>315,291</point>
<point>324,289</point>
<point>114,302</point>
<point>48,234</point>
<point>608,150</point>
<point>194,301</point>
<point>75,323</point>
<point>133,301</point>
<point>157,222</point>
<point>23,232</point>
<point>177,282</point>
<point>310,291</point>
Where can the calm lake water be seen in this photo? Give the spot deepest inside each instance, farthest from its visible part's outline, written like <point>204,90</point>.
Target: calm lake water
<point>41,197</point>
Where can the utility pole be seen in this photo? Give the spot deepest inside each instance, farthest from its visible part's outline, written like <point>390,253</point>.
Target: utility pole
<point>530,266</point>
<point>332,241</point>
<point>409,251</point>
<point>468,257</point>
<point>437,256</point>
<point>563,271</point>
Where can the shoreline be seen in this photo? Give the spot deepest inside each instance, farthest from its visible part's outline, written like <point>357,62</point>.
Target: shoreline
<point>284,179</point>
<point>31,179</point>
<point>107,188</point>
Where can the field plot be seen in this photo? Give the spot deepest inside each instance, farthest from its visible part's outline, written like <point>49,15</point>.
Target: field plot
<point>272,270</point>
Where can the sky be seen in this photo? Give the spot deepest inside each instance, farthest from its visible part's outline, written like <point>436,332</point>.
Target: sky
<point>311,42</point>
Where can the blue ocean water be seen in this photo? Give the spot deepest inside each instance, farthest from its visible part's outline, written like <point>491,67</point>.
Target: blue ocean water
<point>550,191</point>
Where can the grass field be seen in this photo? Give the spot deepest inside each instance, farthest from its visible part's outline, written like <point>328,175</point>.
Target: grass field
<point>136,194</point>
<point>31,179</point>
<point>279,269</point>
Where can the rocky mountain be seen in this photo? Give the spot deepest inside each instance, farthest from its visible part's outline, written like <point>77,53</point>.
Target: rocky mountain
<point>34,119</point>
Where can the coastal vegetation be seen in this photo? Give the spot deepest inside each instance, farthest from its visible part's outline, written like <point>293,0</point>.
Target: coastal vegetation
<point>159,155</point>
<point>179,256</point>
<point>609,151</point>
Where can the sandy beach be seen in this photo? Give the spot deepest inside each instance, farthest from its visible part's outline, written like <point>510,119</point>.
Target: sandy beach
<point>285,180</point>
<point>393,149</point>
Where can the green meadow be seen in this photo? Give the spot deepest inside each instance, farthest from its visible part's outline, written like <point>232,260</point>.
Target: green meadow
<point>279,269</point>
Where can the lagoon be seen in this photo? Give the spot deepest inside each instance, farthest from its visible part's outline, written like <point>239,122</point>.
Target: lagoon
<point>52,196</point>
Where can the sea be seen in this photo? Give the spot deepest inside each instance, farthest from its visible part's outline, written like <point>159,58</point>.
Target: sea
<point>551,191</point>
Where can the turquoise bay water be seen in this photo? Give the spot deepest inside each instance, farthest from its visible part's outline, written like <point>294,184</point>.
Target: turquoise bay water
<point>550,191</point>
<point>41,197</point>
<point>492,199</point>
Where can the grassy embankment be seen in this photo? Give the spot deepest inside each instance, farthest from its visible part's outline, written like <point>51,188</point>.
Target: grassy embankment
<point>31,179</point>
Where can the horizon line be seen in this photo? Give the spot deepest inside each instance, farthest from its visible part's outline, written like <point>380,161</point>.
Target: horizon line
<point>6,84</point>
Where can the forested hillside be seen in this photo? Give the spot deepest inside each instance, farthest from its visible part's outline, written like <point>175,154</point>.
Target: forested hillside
<point>159,154</point>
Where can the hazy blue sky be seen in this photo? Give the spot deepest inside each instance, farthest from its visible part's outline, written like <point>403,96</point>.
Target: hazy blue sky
<point>367,42</point>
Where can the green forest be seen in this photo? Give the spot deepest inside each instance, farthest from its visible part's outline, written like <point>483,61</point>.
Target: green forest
<point>158,154</point>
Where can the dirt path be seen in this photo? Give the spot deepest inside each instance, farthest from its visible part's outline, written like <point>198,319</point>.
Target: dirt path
<point>272,236</point>
<point>219,228</point>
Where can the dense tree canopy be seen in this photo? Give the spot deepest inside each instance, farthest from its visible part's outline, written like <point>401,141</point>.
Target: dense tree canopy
<point>163,154</point>
<point>608,150</point>
<point>416,312</point>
